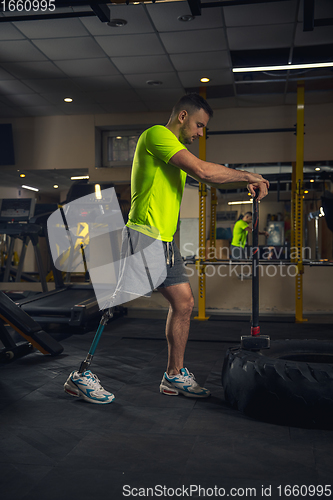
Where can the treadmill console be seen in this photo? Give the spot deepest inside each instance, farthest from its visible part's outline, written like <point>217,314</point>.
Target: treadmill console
<point>16,209</point>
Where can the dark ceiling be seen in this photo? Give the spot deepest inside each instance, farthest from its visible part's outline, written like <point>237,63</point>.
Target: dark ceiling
<point>149,59</point>
<point>106,69</point>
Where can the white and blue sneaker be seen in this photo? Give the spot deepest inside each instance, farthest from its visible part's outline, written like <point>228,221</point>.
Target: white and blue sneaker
<point>183,383</point>
<point>86,385</point>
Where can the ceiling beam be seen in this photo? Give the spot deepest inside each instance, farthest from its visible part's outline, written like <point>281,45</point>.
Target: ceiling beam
<point>102,11</point>
<point>38,17</point>
<point>195,7</point>
<point>308,15</point>
<point>328,21</point>
<point>231,3</point>
<point>77,3</point>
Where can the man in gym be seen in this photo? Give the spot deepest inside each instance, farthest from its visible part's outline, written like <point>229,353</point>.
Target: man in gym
<point>239,235</point>
<point>160,166</point>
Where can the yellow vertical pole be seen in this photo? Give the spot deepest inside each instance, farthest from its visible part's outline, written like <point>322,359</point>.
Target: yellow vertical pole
<point>292,215</point>
<point>212,232</point>
<point>202,230</point>
<point>298,204</point>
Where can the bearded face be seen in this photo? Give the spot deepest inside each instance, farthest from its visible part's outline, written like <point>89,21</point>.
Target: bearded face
<point>192,126</point>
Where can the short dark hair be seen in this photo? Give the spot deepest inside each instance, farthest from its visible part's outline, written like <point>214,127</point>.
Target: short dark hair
<point>192,102</point>
<point>248,213</point>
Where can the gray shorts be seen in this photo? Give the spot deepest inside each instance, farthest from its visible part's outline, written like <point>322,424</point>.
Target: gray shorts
<point>134,241</point>
<point>176,270</point>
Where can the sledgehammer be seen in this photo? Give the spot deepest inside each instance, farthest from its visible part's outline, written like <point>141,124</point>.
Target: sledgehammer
<point>255,341</point>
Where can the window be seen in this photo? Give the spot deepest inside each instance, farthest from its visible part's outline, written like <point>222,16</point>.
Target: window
<point>118,147</point>
<point>121,148</point>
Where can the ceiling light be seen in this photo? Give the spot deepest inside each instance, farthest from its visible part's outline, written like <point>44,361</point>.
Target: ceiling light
<point>56,186</point>
<point>204,80</point>
<point>22,175</point>
<point>306,192</point>
<point>311,180</point>
<point>322,213</point>
<point>68,99</point>
<point>117,23</point>
<point>283,67</point>
<point>186,18</point>
<point>317,168</point>
<point>30,188</point>
<point>118,137</point>
<point>79,177</point>
<point>154,82</point>
<point>240,202</point>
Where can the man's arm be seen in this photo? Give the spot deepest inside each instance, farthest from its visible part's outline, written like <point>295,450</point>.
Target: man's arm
<point>217,175</point>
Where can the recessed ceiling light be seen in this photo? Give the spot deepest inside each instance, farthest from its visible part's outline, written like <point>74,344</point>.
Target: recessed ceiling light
<point>306,191</point>
<point>118,137</point>
<point>117,23</point>
<point>30,188</point>
<point>154,82</point>
<point>68,99</point>
<point>22,175</point>
<point>186,18</point>
<point>311,180</point>
<point>317,168</point>
<point>204,80</point>
<point>55,186</point>
<point>79,177</point>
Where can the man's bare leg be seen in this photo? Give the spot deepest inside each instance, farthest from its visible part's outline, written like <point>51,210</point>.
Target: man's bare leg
<point>177,329</point>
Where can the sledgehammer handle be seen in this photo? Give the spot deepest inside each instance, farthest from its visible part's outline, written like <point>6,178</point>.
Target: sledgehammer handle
<point>255,329</point>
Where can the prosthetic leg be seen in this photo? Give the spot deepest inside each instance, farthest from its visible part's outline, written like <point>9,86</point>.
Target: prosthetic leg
<point>108,314</point>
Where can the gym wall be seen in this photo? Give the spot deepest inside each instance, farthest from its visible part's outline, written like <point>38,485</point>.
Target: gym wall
<point>69,141</point>
<point>61,142</point>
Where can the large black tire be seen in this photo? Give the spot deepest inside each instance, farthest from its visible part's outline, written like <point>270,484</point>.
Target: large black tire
<point>290,383</point>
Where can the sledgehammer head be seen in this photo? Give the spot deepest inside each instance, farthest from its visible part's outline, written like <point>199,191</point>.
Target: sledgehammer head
<point>255,343</point>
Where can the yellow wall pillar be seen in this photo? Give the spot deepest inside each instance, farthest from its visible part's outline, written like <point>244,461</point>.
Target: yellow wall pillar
<point>297,205</point>
<point>202,230</point>
<point>212,232</point>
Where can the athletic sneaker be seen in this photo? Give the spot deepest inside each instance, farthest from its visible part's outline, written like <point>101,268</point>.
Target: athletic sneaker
<point>86,385</point>
<point>183,383</point>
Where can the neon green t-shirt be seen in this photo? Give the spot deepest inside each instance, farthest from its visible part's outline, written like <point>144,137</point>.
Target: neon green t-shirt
<point>156,186</point>
<point>239,234</point>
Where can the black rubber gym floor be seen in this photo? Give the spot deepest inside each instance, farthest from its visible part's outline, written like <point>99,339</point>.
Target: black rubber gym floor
<point>146,444</point>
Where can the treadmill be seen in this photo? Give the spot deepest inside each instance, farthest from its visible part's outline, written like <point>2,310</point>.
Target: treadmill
<point>15,222</point>
<point>72,304</point>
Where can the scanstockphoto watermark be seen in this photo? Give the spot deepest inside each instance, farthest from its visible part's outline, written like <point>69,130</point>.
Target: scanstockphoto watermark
<point>274,261</point>
<point>244,270</point>
<point>193,490</point>
<point>267,252</point>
